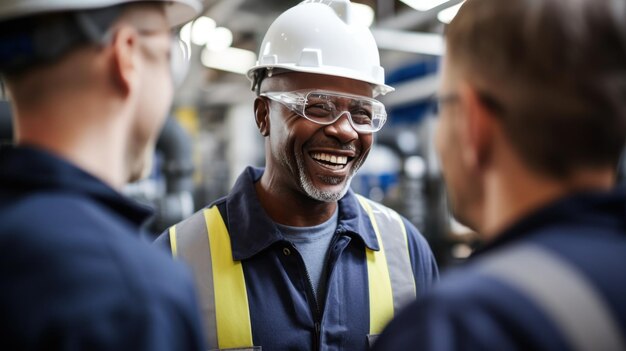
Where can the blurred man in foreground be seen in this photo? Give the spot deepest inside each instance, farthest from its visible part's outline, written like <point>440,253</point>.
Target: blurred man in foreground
<point>533,121</point>
<point>90,83</point>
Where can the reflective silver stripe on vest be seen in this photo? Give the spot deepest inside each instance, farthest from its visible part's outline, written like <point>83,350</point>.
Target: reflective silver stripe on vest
<point>193,246</point>
<point>561,292</point>
<point>395,243</point>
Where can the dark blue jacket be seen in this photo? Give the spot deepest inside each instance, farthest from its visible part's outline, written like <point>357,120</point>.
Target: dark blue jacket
<point>471,311</point>
<point>283,312</point>
<point>74,272</point>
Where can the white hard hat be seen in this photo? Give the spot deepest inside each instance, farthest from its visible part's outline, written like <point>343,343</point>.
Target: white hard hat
<point>178,11</point>
<point>320,37</point>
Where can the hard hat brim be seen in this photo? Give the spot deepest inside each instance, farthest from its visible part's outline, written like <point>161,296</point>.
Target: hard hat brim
<point>177,11</point>
<point>378,88</point>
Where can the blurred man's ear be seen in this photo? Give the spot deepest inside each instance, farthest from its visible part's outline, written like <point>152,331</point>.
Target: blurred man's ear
<point>479,123</point>
<point>262,115</point>
<point>124,48</point>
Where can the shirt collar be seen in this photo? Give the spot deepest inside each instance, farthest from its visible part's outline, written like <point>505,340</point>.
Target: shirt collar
<point>252,231</point>
<point>35,169</point>
<point>597,208</point>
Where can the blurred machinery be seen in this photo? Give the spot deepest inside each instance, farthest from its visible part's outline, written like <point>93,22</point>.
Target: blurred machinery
<point>169,189</point>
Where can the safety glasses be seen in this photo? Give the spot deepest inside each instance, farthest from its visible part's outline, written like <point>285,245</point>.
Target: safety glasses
<point>179,55</point>
<point>179,61</point>
<point>366,115</point>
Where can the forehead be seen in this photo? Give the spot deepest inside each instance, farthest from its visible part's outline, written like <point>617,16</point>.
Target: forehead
<point>297,80</point>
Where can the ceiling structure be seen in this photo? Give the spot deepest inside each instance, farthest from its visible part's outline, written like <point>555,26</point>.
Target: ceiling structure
<point>404,35</point>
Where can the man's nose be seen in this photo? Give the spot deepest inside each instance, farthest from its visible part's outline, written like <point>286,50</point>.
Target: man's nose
<point>342,129</point>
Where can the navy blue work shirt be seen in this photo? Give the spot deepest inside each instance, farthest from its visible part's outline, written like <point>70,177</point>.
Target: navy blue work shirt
<point>470,311</point>
<point>284,313</point>
<point>74,272</point>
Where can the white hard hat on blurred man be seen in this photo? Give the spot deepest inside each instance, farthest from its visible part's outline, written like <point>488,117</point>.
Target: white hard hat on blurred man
<point>178,11</point>
<point>26,39</point>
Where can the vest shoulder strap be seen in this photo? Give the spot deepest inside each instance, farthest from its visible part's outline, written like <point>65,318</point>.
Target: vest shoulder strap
<point>204,243</point>
<point>560,291</point>
<point>390,274</point>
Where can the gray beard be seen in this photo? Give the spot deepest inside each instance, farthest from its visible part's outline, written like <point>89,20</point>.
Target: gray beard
<point>320,195</point>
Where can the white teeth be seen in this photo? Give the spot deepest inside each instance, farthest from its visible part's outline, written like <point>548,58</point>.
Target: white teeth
<point>337,160</point>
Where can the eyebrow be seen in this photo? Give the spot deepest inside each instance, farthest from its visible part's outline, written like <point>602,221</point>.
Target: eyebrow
<point>357,103</point>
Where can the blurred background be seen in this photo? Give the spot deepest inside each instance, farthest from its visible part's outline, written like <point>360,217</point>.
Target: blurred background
<point>211,136</point>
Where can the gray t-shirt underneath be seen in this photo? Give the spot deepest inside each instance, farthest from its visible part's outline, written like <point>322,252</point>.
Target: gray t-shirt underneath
<point>312,244</point>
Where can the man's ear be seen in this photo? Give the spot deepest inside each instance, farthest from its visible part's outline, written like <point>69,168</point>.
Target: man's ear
<point>124,47</point>
<point>262,115</point>
<point>479,124</point>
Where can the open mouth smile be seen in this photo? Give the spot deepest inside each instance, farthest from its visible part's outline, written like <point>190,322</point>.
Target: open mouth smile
<point>330,161</point>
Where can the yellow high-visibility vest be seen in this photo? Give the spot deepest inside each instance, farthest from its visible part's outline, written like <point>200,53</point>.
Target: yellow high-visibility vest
<point>204,243</point>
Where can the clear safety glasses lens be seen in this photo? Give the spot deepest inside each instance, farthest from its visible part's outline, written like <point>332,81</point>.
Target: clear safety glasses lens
<point>366,115</point>
<point>179,57</point>
<point>179,61</point>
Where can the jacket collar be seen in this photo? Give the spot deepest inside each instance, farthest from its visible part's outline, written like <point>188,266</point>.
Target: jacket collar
<point>26,169</point>
<point>252,231</point>
<point>590,208</point>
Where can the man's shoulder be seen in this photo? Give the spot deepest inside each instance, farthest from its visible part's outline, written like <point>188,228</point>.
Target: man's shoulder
<point>54,216</point>
<point>413,234</point>
<point>69,232</point>
<point>364,206</point>
<point>199,214</point>
<point>71,263</point>
<point>365,201</point>
<point>466,305</point>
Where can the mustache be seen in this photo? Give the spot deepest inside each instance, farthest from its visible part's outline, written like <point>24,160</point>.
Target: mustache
<point>333,144</point>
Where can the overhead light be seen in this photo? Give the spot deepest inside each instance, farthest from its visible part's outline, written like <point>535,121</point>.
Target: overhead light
<point>424,5</point>
<point>414,166</point>
<point>202,30</point>
<point>446,16</point>
<point>220,39</point>
<point>362,14</point>
<point>229,59</point>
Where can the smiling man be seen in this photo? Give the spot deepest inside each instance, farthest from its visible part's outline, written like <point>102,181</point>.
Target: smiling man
<point>292,259</point>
